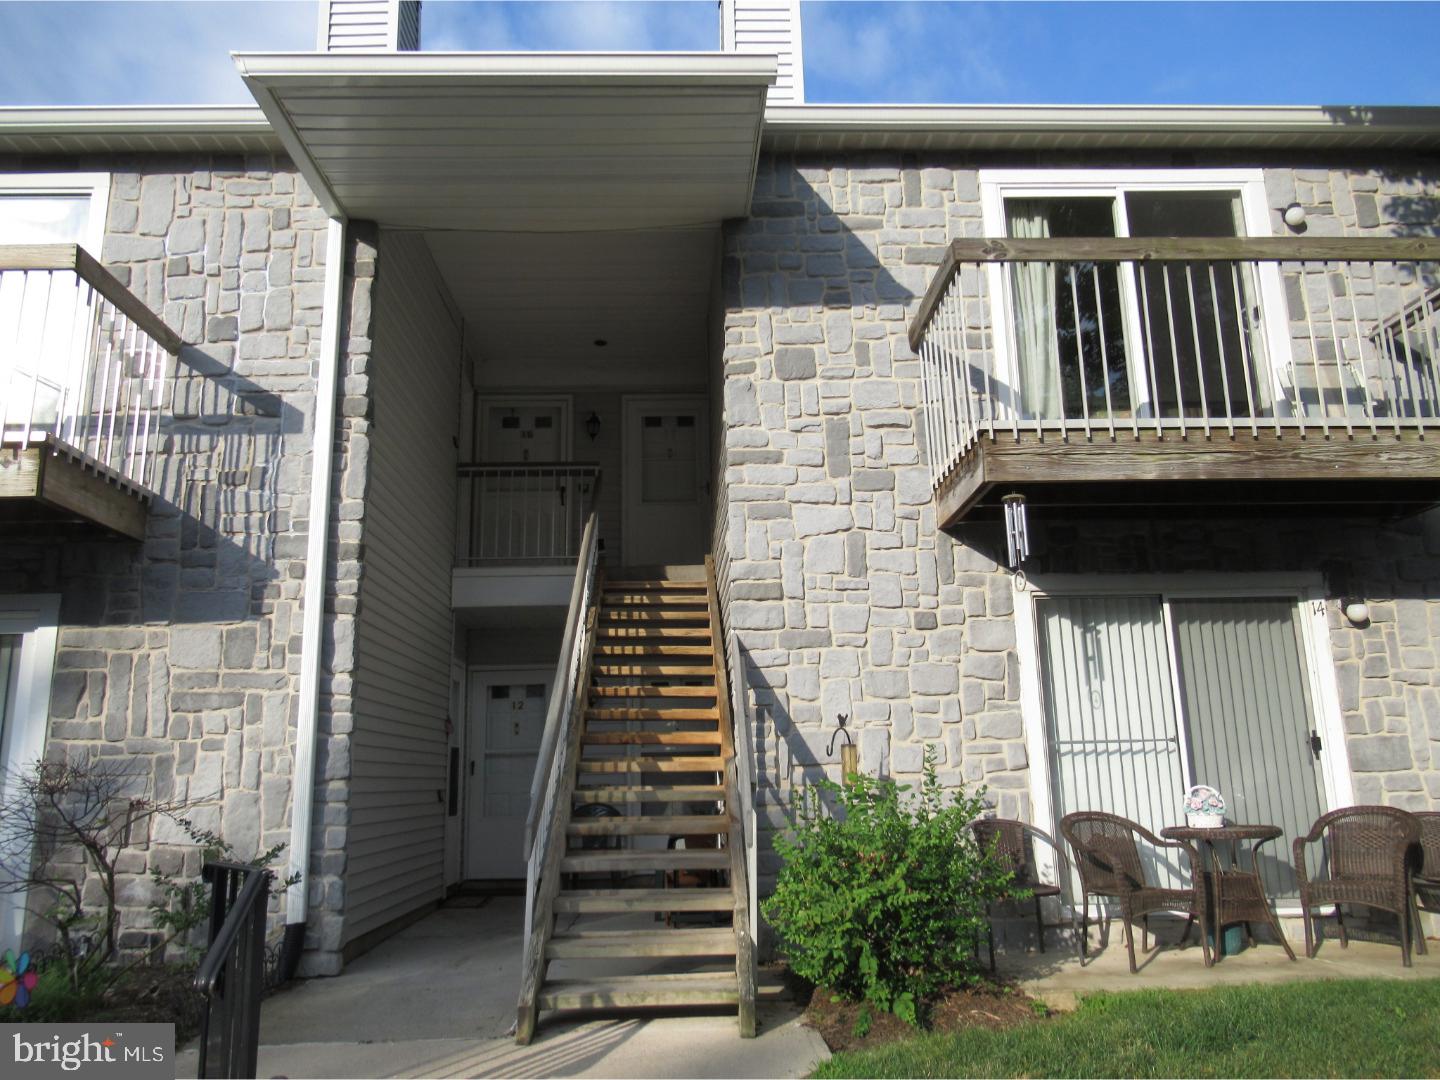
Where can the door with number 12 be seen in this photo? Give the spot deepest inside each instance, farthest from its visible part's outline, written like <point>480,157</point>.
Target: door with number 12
<point>507,717</point>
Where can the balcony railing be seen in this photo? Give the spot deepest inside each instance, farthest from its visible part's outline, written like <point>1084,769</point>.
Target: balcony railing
<point>82,361</point>
<point>523,512</point>
<point>1183,341</point>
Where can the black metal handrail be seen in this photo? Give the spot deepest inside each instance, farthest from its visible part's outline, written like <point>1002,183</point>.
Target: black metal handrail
<point>231,977</point>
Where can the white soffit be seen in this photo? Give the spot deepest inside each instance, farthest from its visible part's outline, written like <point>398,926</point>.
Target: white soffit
<point>802,128</point>
<point>135,129</point>
<point>520,141</point>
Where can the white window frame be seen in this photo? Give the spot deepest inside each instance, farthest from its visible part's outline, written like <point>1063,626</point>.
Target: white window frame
<point>95,185</point>
<point>1308,592</point>
<point>997,185</point>
<point>36,618</point>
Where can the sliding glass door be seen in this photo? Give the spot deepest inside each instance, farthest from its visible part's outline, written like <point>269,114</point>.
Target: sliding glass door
<point>1146,695</point>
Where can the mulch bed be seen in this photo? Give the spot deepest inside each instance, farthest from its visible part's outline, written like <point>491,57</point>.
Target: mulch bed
<point>985,1005</point>
<point>154,995</point>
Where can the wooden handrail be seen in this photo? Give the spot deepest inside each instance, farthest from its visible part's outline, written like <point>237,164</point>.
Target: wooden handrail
<point>76,259</point>
<point>560,687</point>
<point>739,878</point>
<point>1167,249</point>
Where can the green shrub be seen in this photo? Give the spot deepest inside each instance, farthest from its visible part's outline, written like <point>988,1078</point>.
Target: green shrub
<point>881,899</point>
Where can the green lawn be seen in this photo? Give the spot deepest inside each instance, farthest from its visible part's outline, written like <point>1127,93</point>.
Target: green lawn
<point>1355,1028</point>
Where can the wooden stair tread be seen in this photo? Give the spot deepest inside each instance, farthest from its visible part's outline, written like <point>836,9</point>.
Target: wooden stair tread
<point>655,825</point>
<point>647,633</point>
<point>666,859</point>
<point>667,713</point>
<point>649,649</point>
<point>696,670</point>
<point>651,793</point>
<point>639,991</point>
<point>614,901</point>
<point>651,738</point>
<point>653,584</point>
<point>678,763</point>
<point>628,615</point>
<point>641,690</point>
<point>651,597</point>
<point>589,944</point>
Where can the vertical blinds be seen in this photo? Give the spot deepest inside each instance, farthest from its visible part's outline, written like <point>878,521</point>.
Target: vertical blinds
<point>1249,716</point>
<point>1243,726</point>
<point>1110,711</point>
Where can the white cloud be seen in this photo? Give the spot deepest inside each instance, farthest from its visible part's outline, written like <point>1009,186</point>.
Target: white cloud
<point>902,52</point>
<point>140,53</point>
<point>578,25</point>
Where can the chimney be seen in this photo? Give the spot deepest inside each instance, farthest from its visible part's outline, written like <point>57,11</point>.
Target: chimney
<point>770,27</point>
<point>348,26</point>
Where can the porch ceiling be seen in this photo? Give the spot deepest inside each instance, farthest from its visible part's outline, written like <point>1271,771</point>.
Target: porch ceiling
<point>548,298</point>
<point>528,142</point>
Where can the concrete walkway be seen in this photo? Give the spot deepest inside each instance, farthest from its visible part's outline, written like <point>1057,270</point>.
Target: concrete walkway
<point>1058,976</point>
<point>438,999</point>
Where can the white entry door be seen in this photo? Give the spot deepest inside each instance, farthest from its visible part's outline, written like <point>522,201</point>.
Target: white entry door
<point>507,717</point>
<point>665,481</point>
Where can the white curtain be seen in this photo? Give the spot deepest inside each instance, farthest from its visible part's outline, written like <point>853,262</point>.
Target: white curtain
<point>1037,375</point>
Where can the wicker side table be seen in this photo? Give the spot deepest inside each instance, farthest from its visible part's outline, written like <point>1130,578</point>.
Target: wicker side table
<point>1236,895</point>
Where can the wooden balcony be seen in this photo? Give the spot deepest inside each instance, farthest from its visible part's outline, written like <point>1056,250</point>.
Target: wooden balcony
<point>84,374</point>
<point>1143,377</point>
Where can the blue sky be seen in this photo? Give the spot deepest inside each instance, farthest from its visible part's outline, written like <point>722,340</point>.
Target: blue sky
<point>1209,53</point>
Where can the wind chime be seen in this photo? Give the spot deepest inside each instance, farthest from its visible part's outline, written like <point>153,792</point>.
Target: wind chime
<point>1017,530</point>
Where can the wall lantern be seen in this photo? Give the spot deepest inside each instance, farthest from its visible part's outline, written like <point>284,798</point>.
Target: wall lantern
<point>592,426</point>
<point>1294,215</point>
<point>849,753</point>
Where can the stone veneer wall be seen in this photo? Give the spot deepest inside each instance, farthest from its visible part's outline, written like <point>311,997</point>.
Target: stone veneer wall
<point>846,599</point>
<point>181,655</point>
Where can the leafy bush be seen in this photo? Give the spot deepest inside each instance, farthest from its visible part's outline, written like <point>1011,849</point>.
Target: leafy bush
<point>881,899</point>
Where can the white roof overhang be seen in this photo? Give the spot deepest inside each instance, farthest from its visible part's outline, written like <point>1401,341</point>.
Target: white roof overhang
<point>843,128</point>
<point>520,141</point>
<point>135,129</point>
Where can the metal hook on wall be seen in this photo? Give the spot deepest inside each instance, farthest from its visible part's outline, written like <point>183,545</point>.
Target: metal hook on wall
<point>849,753</point>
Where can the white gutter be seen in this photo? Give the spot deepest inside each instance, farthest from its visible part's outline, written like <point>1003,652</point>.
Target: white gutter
<point>478,69</point>
<point>312,641</point>
<point>1014,125</point>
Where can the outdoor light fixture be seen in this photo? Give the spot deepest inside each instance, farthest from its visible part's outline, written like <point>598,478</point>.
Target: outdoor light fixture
<point>1356,611</point>
<point>592,425</point>
<point>1295,216</point>
<point>849,753</point>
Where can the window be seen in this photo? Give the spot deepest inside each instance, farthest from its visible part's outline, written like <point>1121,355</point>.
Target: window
<point>40,311</point>
<point>54,208</point>
<point>28,626</point>
<point>1092,338</point>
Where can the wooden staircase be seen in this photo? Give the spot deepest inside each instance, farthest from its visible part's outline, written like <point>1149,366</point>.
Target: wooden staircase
<point>644,824</point>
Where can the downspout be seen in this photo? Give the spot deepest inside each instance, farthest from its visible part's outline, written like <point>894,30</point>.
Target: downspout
<point>313,613</point>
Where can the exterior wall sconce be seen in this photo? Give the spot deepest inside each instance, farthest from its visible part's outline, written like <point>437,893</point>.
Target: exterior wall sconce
<point>592,425</point>
<point>1357,612</point>
<point>1294,215</point>
<point>849,753</point>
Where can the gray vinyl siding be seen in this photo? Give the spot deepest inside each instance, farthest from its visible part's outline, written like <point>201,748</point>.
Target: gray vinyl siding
<point>404,629</point>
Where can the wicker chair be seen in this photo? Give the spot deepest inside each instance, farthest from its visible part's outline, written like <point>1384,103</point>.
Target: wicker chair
<point>1370,851</point>
<point>1426,896</point>
<point>1011,846</point>
<point>1108,860</point>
